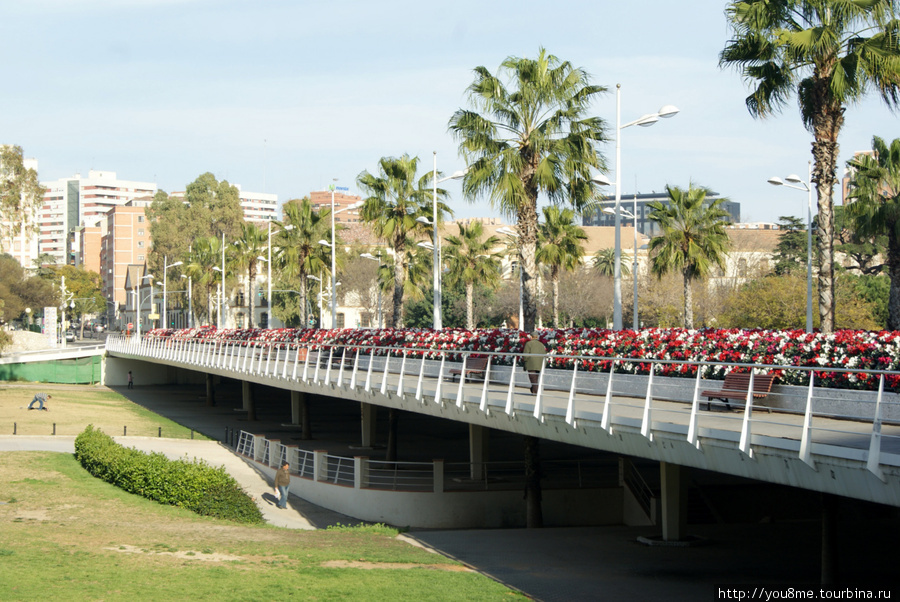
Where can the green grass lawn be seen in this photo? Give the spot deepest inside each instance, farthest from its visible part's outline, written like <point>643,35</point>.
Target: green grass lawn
<point>65,535</point>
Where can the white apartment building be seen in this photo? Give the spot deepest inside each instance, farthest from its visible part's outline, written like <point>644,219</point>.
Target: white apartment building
<point>70,203</point>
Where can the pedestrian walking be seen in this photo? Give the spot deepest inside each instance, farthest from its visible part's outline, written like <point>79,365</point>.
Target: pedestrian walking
<point>130,380</point>
<point>282,482</point>
<point>534,352</point>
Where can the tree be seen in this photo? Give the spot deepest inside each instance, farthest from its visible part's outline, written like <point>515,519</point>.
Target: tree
<point>875,188</point>
<point>692,238</point>
<point>85,290</point>
<point>246,253</point>
<point>208,209</point>
<point>819,49</point>
<point>790,252</point>
<point>205,255</point>
<point>299,252</point>
<point>866,253</point>
<point>605,262</point>
<point>531,138</point>
<point>471,260</point>
<point>560,248</point>
<point>21,194</point>
<point>396,197</point>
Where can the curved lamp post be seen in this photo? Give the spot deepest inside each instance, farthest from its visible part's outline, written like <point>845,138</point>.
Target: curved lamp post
<point>333,247</point>
<point>271,321</point>
<point>166,267</point>
<point>643,121</point>
<point>634,269</point>
<point>794,181</point>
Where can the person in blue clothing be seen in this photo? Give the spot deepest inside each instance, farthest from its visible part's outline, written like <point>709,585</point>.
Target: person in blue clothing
<point>40,399</point>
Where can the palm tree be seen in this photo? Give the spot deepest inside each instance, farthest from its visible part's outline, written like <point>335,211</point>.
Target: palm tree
<point>605,263</point>
<point>396,198</point>
<point>875,186</point>
<point>819,49</point>
<point>203,257</point>
<point>299,253</point>
<point>471,260</point>
<point>560,248</point>
<point>534,137</point>
<point>692,238</point>
<point>249,249</point>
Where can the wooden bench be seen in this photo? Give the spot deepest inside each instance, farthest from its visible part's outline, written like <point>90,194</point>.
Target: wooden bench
<point>735,389</point>
<point>474,365</point>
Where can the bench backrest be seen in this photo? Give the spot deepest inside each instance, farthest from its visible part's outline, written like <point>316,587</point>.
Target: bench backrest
<point>476,363</point>
<point>762,383</point>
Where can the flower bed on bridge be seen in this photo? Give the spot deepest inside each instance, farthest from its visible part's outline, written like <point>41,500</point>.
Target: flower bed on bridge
<point>849,349</point>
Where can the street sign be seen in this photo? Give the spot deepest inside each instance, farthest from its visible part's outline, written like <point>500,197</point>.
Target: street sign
<point>130,326</point>
<point>344,188</point>
<point>153,317</point>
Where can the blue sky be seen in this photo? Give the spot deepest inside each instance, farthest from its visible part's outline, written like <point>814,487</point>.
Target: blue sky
<point>283,96</point>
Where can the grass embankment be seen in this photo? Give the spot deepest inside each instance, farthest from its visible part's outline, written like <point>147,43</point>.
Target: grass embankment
<point>73,407</point>
<point>65,535</point>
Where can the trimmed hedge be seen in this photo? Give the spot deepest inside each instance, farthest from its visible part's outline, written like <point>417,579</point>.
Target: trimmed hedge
<point>194,485</point>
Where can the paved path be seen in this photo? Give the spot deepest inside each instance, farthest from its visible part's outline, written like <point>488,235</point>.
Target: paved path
<point>256,480</point>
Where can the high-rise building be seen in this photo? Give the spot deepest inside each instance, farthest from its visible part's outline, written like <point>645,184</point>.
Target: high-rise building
<point>70,203</point>
<point>24,246</point>
<point>126,242</point>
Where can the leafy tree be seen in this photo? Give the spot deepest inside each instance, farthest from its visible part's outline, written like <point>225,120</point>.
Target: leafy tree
<point>205,255</point>
<point>21,195</point>
<point>471,261</point>
<point>208,209</point>
<point>692,238</point>
<point>534,137</point>
<point>605,262</point>
<point>560,248</point>
<point>831,52</point>
<point>790,252</point>
<point>875,188</point>
<point>299,252</point>
<point>396,196</point>
<point>85,289</point>
<point>246,252</point>
<point>866,253</point>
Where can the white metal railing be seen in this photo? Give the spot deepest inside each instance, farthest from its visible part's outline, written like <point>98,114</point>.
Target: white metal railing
<point>808,415</point>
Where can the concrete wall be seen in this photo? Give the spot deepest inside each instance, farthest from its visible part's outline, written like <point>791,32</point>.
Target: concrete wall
<point>115,373</point>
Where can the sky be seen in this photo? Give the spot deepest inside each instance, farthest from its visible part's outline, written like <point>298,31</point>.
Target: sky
<point>285,96</point>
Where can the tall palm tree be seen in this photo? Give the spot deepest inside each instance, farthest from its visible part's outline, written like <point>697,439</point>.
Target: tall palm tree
<point>471,259</point>
<point>396,197</point>
<point>875,188</point>
<point>560,248</point>
<point>830,52</point>
<point>533,137</point>
<point>605,262</point>
<point>247,252</point>
<point>299,253</point>
<point>204,255</point>
<point>692,238</point>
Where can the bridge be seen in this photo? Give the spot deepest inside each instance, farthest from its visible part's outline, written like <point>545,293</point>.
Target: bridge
<point>839,442</point>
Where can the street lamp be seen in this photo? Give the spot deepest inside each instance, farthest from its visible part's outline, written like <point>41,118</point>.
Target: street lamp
<point>435,240</point>
<point>270,321</point>
<point>333,246</point>
<point>377,284</point>
<point>513,234</point>
<point>643,121</point>
<point>794,181</point>
<point>165,314</point>
<point>634,268</point>
<point>190,301</point>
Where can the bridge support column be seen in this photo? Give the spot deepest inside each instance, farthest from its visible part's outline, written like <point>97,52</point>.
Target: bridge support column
<point>479,437</point>
<point>674,485</point>
<point>247,396</point>
<point>368,413</point>
<point>210,391</point>
<point>300,413</point>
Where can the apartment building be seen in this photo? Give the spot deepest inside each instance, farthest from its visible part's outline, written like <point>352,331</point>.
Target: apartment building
<point>125,242</point>
<point>322,198</point>
<point>70,203</point>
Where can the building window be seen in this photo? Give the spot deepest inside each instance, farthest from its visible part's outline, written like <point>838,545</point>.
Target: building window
<point>140,244</point>
<point>742,267</point>
<point>140,232</point>
<point>340,320</point>
<point>140,258</point>
<point>140,219</point>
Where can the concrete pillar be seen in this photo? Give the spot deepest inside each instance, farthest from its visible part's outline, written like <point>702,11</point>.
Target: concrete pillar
<point>360,471</point>
<point>439,476</point>
<point>674,485</point>
<point>300,413</point>
<point>368,419</point>
<point>479,437</point>
<point>320,465</point>
<point>210,391</point>
<point>247,396</point>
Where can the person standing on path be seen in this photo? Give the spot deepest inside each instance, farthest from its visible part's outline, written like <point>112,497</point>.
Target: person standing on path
<point>130,380</point>
<point>534,352</point>
<point>282,482</point>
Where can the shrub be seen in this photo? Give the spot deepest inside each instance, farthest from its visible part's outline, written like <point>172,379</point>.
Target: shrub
<point>194,485</point>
